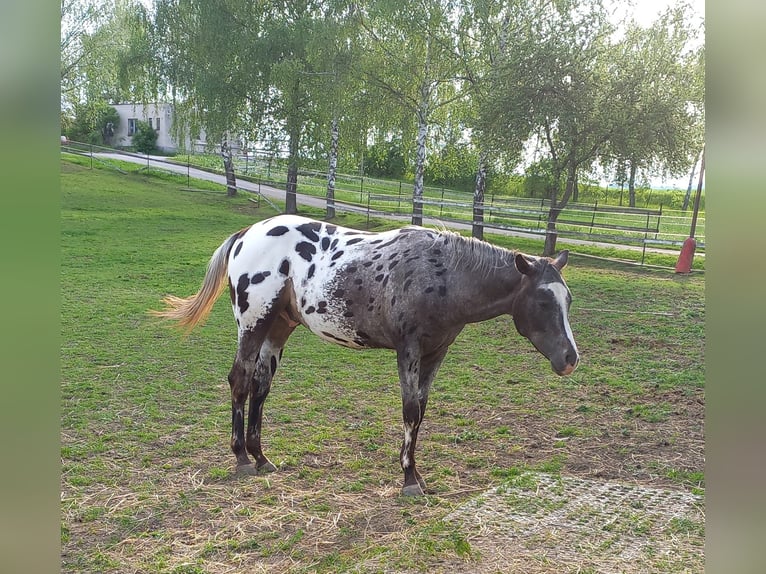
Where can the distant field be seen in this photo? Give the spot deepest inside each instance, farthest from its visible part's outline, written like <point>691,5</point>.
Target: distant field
<point>147,482</point>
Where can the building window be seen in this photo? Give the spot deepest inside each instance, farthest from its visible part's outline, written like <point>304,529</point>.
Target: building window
<point>132,126</point>
<point>157,126</point>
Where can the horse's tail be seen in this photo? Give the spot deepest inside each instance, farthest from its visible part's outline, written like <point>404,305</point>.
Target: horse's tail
<point>190,311</point>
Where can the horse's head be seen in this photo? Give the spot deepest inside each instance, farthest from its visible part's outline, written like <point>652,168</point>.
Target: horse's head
<point>541,310</point>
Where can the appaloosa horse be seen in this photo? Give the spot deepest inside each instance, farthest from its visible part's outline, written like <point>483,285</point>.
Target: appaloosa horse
<point>412,290</point>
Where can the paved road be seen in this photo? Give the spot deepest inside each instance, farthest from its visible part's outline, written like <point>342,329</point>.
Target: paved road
<point>160,162</point>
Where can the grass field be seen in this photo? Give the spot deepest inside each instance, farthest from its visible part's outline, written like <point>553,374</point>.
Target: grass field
<point>146,480</point>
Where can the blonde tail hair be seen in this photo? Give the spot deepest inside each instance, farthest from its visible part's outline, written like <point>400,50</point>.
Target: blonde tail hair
<point>190,311</point>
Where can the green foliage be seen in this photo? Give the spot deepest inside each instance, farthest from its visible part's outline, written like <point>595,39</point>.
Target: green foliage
<point>145,138</point>
<point>453,166</point>
<point>385,159</point>
<point>90,123</point>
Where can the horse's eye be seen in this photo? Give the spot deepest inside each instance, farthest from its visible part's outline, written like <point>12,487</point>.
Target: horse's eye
<point>544,305</point>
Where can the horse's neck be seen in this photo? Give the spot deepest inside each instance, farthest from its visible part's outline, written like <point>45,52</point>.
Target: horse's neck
<point>484,281</point>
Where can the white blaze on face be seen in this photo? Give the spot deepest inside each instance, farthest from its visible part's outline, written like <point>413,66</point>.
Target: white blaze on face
<point>560,293</point>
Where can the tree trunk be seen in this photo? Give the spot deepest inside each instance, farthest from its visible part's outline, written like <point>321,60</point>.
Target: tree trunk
<point>417,191</point>
<point>332,169</point>
<point>688,196</point>
<point>478,197</point>
<point>632,185</point>
<point>291,202</point>
<point>551,236</point>
<point>228,168</point>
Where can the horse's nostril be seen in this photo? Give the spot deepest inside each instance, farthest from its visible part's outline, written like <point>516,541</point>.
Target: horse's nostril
<point>572,358</point>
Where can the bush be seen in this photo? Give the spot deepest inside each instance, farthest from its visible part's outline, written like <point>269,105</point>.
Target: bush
<point>145,138</point>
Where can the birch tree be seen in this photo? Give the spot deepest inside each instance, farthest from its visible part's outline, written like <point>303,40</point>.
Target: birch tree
<point>412,58</point>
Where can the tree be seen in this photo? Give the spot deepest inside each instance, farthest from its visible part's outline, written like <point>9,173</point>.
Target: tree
<point>93,122</point>
<point>145,138</point>
<point>413,61</point>
<point>556,83</point>
<point>661,126</point>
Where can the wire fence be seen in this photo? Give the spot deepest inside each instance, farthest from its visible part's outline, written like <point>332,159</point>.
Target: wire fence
<point>377,197</point>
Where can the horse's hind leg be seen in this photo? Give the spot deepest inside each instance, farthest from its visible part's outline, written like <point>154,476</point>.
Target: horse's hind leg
<point>240,378</point>
<point>268,362</point>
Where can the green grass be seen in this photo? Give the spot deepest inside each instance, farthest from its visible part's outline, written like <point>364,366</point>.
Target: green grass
<point>146,466</point>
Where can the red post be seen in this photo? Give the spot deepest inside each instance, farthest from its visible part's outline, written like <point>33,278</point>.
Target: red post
<point>684,264</point>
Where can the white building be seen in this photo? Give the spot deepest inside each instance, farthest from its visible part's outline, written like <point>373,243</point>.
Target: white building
<point>159,116</point>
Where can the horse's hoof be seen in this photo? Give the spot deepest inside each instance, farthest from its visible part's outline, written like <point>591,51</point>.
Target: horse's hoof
<point>267,466</point>
<point>412,490</point>
<point>247,469</point>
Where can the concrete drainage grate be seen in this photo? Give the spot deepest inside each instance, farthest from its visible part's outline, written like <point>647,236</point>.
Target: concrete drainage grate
<point>604,526</point>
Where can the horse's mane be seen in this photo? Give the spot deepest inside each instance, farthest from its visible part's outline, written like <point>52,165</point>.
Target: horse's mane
<point>476,255</point>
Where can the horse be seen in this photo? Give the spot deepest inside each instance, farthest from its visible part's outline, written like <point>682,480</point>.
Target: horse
<point>411,290</point>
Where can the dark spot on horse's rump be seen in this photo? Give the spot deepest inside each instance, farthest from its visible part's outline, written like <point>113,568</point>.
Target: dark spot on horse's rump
<point>408,273</point>
<point>338,293</point>
<point>334,244</point>
<point>237,249</point>
<point>348,314</point>
<point>351,269</point>
<point>306,250</point>
<point>322,304</point>
<point>322,310</point>
<point>379,277</point>
<point>385,280</point>
<point>303,301</point>
<point>376,256</point>
<point>325,243</point>
<point>440,273</point>
<point>375,241</point>
<point>393,264</point>
<point>429,289</point>
<point>379,267</point>
<point>330,229</point>
<point>407,284</point>
<point>370,308</point>
<point>432,260</point>
<point>273,365</point>
<point>259,277</point>
<point>411,259</point>
<point>311,271</point>
<point>277,231</point>
<point>367,263</point>
<point>393,300</point>
<point>284,268</point>
<point>337,255</point>
<point>372,299</point>
<point>358,281</point>
<point>354,240</point>
<point>309,310</point>
<point>310,230</point>
<point>242,284</point>
<point>442,290</point>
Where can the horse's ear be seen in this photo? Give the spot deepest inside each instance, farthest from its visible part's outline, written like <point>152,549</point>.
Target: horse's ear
<point>523,264</point>
<point>561,260</point>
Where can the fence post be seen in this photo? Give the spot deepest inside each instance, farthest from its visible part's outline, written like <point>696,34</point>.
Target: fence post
<point>361,198</point>
<point>441,205</point>
<point>399,199</point>
<point>646,235</point>
<point>91,156</point>
<point>368,211</point>
<point>593,219</point>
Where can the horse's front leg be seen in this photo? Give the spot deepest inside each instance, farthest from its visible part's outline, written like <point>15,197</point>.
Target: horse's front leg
<point>413,408</point>
<point>415,375</point>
